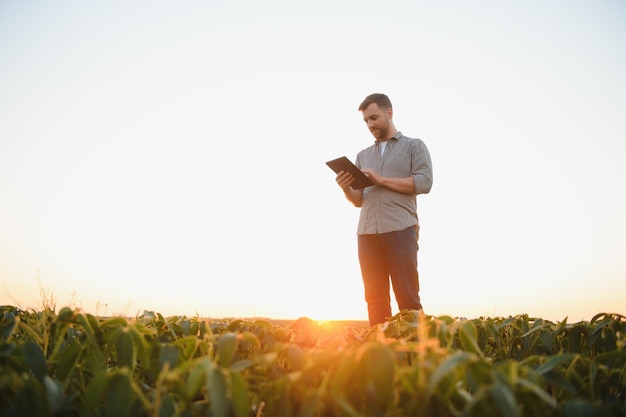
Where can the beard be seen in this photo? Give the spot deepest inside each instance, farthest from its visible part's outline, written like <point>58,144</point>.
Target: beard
<point>381,134</point>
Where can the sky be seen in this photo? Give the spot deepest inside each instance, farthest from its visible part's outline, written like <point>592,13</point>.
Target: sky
<point>169,157</point>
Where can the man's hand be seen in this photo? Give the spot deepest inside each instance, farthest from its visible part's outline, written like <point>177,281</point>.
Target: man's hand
<point>373,175</point>
<point>344,179</point>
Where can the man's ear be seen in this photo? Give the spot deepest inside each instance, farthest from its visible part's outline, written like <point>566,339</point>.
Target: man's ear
<point>390,112</point>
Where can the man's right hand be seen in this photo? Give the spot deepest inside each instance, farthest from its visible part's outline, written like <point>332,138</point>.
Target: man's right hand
<point>344,179</point>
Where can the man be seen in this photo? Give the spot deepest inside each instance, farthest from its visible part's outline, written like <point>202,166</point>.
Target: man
<point>388,229</point>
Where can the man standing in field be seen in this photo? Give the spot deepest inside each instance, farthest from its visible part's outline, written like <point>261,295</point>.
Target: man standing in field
<point>388,229</point>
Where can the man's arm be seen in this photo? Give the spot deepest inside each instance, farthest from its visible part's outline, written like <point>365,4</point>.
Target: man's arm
<point>401,185</point>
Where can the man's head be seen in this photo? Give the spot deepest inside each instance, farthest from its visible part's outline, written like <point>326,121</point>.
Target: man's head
<point>380,99</point>
<point>378,113</point>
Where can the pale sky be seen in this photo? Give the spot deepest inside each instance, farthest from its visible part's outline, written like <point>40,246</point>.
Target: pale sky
<point>170,156</point>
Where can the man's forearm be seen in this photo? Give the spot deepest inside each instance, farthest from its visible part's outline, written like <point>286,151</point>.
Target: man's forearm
<point>400,185</point>
<point>354,196</point>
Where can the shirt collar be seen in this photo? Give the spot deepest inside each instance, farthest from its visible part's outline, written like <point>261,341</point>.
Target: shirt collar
<point>397,137</point>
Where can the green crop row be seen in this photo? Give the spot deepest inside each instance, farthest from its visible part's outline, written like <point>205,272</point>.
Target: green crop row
<point>75,364</point>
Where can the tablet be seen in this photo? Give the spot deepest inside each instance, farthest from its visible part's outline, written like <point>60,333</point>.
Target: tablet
<point>344,164</point>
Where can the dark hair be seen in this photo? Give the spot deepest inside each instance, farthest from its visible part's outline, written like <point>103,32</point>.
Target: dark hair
<point>378,98</point>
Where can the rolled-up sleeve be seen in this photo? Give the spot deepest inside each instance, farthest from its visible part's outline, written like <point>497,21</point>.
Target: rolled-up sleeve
<point>422,168</point>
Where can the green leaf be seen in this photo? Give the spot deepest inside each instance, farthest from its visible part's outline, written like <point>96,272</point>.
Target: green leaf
<point>142,348</point>
<point>7,325</point>
<point>93,395</point>
<point>578,408</point>
<point>217,387</point>
<point>241,365</point>
<point>239,395</point>
<point>537,390</point>
<point>55,395</point>
<point>505,400</point>
<point>469,336</point>
<point>124,349</point>
<point>226,346</point>
<point>114,322</point>
<point>197,378</point>
<point>548,339</point>
<point>377,363</point>
<point>295,357</point>
<point>452,363</point>
<point>168,407</point>
<point>205,329</point>
<point>506,322</point>
<point>119,398</point>
<point>35,360</point>
<point>88,330</point>
<point>614,358</point>
<point>168,355</point>
<point>65,315</point>
<point>30,400</point>
<point>251,339</point>
<point>555,361</point>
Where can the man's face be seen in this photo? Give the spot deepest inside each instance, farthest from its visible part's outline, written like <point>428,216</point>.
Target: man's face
<point>377,120</point>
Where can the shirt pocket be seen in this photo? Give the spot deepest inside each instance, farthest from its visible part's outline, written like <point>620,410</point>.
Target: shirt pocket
<point>397,165</point>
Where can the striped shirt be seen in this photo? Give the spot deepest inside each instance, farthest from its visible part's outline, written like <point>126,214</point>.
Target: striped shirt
<point>384,210</point>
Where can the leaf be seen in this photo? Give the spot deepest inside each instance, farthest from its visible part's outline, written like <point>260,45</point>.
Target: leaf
<point>65,315</point>
<point>251,339</point>
<point>88,330</point>
<point>35,360</point>
<point>30,401</point>
<point>197,377</point>
<point>241,365</point>
<point>119,398</point>
<point>535,328</point>
<point>469,336</point>
<point>506,322</point>
<point>217,388</point>
<point>239,395</point>
<point>537,390</point>
<point>95,391</point>
<point>454,361</point>
<point>505,400</point>
<point>295,357</point>
<point>263,324</point>
<point>142,347</point>
<point>168,407</point>
<point>612,359</point>
<point>168,356</point>
<point>7,325</point>
<point>185,326</point>
<point>124,349</point>
<point>226,346</point>
<point>554,362</point>
<point>547,339</point>
<point>377,363</point>
<point>578,408</point>
<point>54,391</point>
<point>114,323</point>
